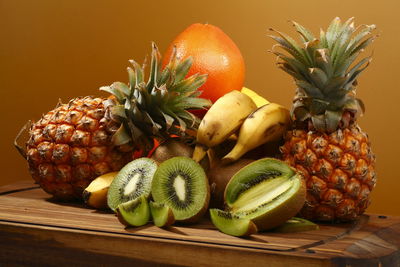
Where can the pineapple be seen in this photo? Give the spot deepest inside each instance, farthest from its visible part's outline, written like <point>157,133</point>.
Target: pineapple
<point>76,142</point>
<point>325,143</point>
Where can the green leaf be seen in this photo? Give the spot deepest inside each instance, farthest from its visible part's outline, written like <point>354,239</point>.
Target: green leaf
<point>121,87</point>
<point>139,74</point>
<point>319,123</point>
<point>120,137</point>
<point>291,47</point>
<point>154,67</point>
<point>190,84</point>
<point>301,113</point>
<point>308,36</point>
<point>323,61</point>
<point>364,32</point>
<point>294,65</point>
<point>182,69</point>
<point>168,120</point>
<point>118,111</point>
<point>332,32</point>
<point>318,106</point>
<point>310,89</point>
<point>355,105</point>
<point>132,79</point>
<point>332,120</point>
<point>335,84</point>
<point>318,77</point>
<point>115,92</point>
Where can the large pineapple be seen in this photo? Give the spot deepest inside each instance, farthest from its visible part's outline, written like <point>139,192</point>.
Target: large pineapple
<point>76,142</point>
<point>325,143</point>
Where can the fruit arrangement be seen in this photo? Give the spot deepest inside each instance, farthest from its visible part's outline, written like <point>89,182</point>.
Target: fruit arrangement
<point>249,164</point>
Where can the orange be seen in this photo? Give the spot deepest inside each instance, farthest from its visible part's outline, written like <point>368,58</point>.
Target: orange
<point>213,53</point>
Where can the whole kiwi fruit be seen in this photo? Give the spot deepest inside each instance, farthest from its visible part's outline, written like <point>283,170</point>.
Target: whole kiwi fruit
<point>171,148</point>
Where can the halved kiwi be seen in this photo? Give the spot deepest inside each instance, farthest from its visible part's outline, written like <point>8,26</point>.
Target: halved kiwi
<point>135,212</point>
<point>162,214</point>
<point>267,192</point>
<point>231,224</point>
<point>182,185</point>
<point>132,181</point>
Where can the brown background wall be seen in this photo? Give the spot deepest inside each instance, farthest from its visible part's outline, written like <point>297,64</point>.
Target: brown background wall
<point>62,49</point>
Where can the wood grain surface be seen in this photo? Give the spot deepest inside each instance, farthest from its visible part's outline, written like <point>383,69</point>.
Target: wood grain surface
<point>35,229</point>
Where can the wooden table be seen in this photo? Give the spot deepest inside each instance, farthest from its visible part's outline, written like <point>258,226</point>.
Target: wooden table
<point>37,231</point>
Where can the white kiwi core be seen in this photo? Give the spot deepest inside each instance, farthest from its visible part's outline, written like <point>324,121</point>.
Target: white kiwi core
<point>132,184</point>
<point>180,187</point>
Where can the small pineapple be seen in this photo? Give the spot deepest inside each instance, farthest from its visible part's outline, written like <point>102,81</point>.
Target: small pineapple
<point>325,143</point>
<point>76,142</point>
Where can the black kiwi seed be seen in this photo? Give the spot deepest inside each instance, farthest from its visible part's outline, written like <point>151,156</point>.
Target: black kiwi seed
<point>122,190</point>
<point>266,175</point>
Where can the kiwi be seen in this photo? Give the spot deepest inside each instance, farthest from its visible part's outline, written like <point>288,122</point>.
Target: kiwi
<point>171,148</point>
<point>162,214</point>
<point>296,225</point>
<point>181,184</point>
<point>132,181</point>
<point>232,224</point>
<point>267,192</point>
<point>135,212</point>
<point>219,175</point>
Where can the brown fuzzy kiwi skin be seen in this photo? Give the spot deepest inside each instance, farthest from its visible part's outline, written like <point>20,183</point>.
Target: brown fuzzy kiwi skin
<point>171,219</point>
<point>175,148</point>
<point>121,218</point>
<point>253,229</point>
<point>219,175</point>
<point>283,212</point>
<point>171,148</point>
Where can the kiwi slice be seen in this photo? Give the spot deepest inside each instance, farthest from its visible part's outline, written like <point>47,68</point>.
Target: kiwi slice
<point>135,212</point>
<point>132,181</point>
<point>182,185</point>
<point>232,224</point>
<point>267,191</point>
<point>162,214</point>
<point>296,225</point>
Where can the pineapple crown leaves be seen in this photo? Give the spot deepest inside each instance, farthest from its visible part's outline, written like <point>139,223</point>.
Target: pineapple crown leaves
<point>159,107</point>
<point>325,70</point>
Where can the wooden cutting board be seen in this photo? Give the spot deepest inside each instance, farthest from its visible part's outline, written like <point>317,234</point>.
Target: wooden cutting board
<point>36,230</point>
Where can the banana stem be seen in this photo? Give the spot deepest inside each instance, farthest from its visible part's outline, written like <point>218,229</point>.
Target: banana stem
<point>199,152</point>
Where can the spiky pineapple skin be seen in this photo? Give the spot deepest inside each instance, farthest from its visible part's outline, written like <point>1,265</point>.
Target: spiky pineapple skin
<point>71,145</point>
<point>339,169</point>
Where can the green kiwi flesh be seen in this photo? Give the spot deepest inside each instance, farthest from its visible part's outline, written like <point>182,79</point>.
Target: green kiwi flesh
<point>131,182</point>
<point>135,212</point>
<point>162,214</point>
<point>267,191</point>
<point>232,224</point>
<point>182,185</point>
<point>295,224</point>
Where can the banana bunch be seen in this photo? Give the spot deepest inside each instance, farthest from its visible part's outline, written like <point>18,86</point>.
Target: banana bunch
<point>268,123</point>
<point>259,122</point>
<point>95,195</point>
<point>224,118</point>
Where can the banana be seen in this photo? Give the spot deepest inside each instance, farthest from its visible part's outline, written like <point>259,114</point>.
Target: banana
<point>259,100</point>
<point>267,123</point>
<point>223,118</point>
<point>95,195</point>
